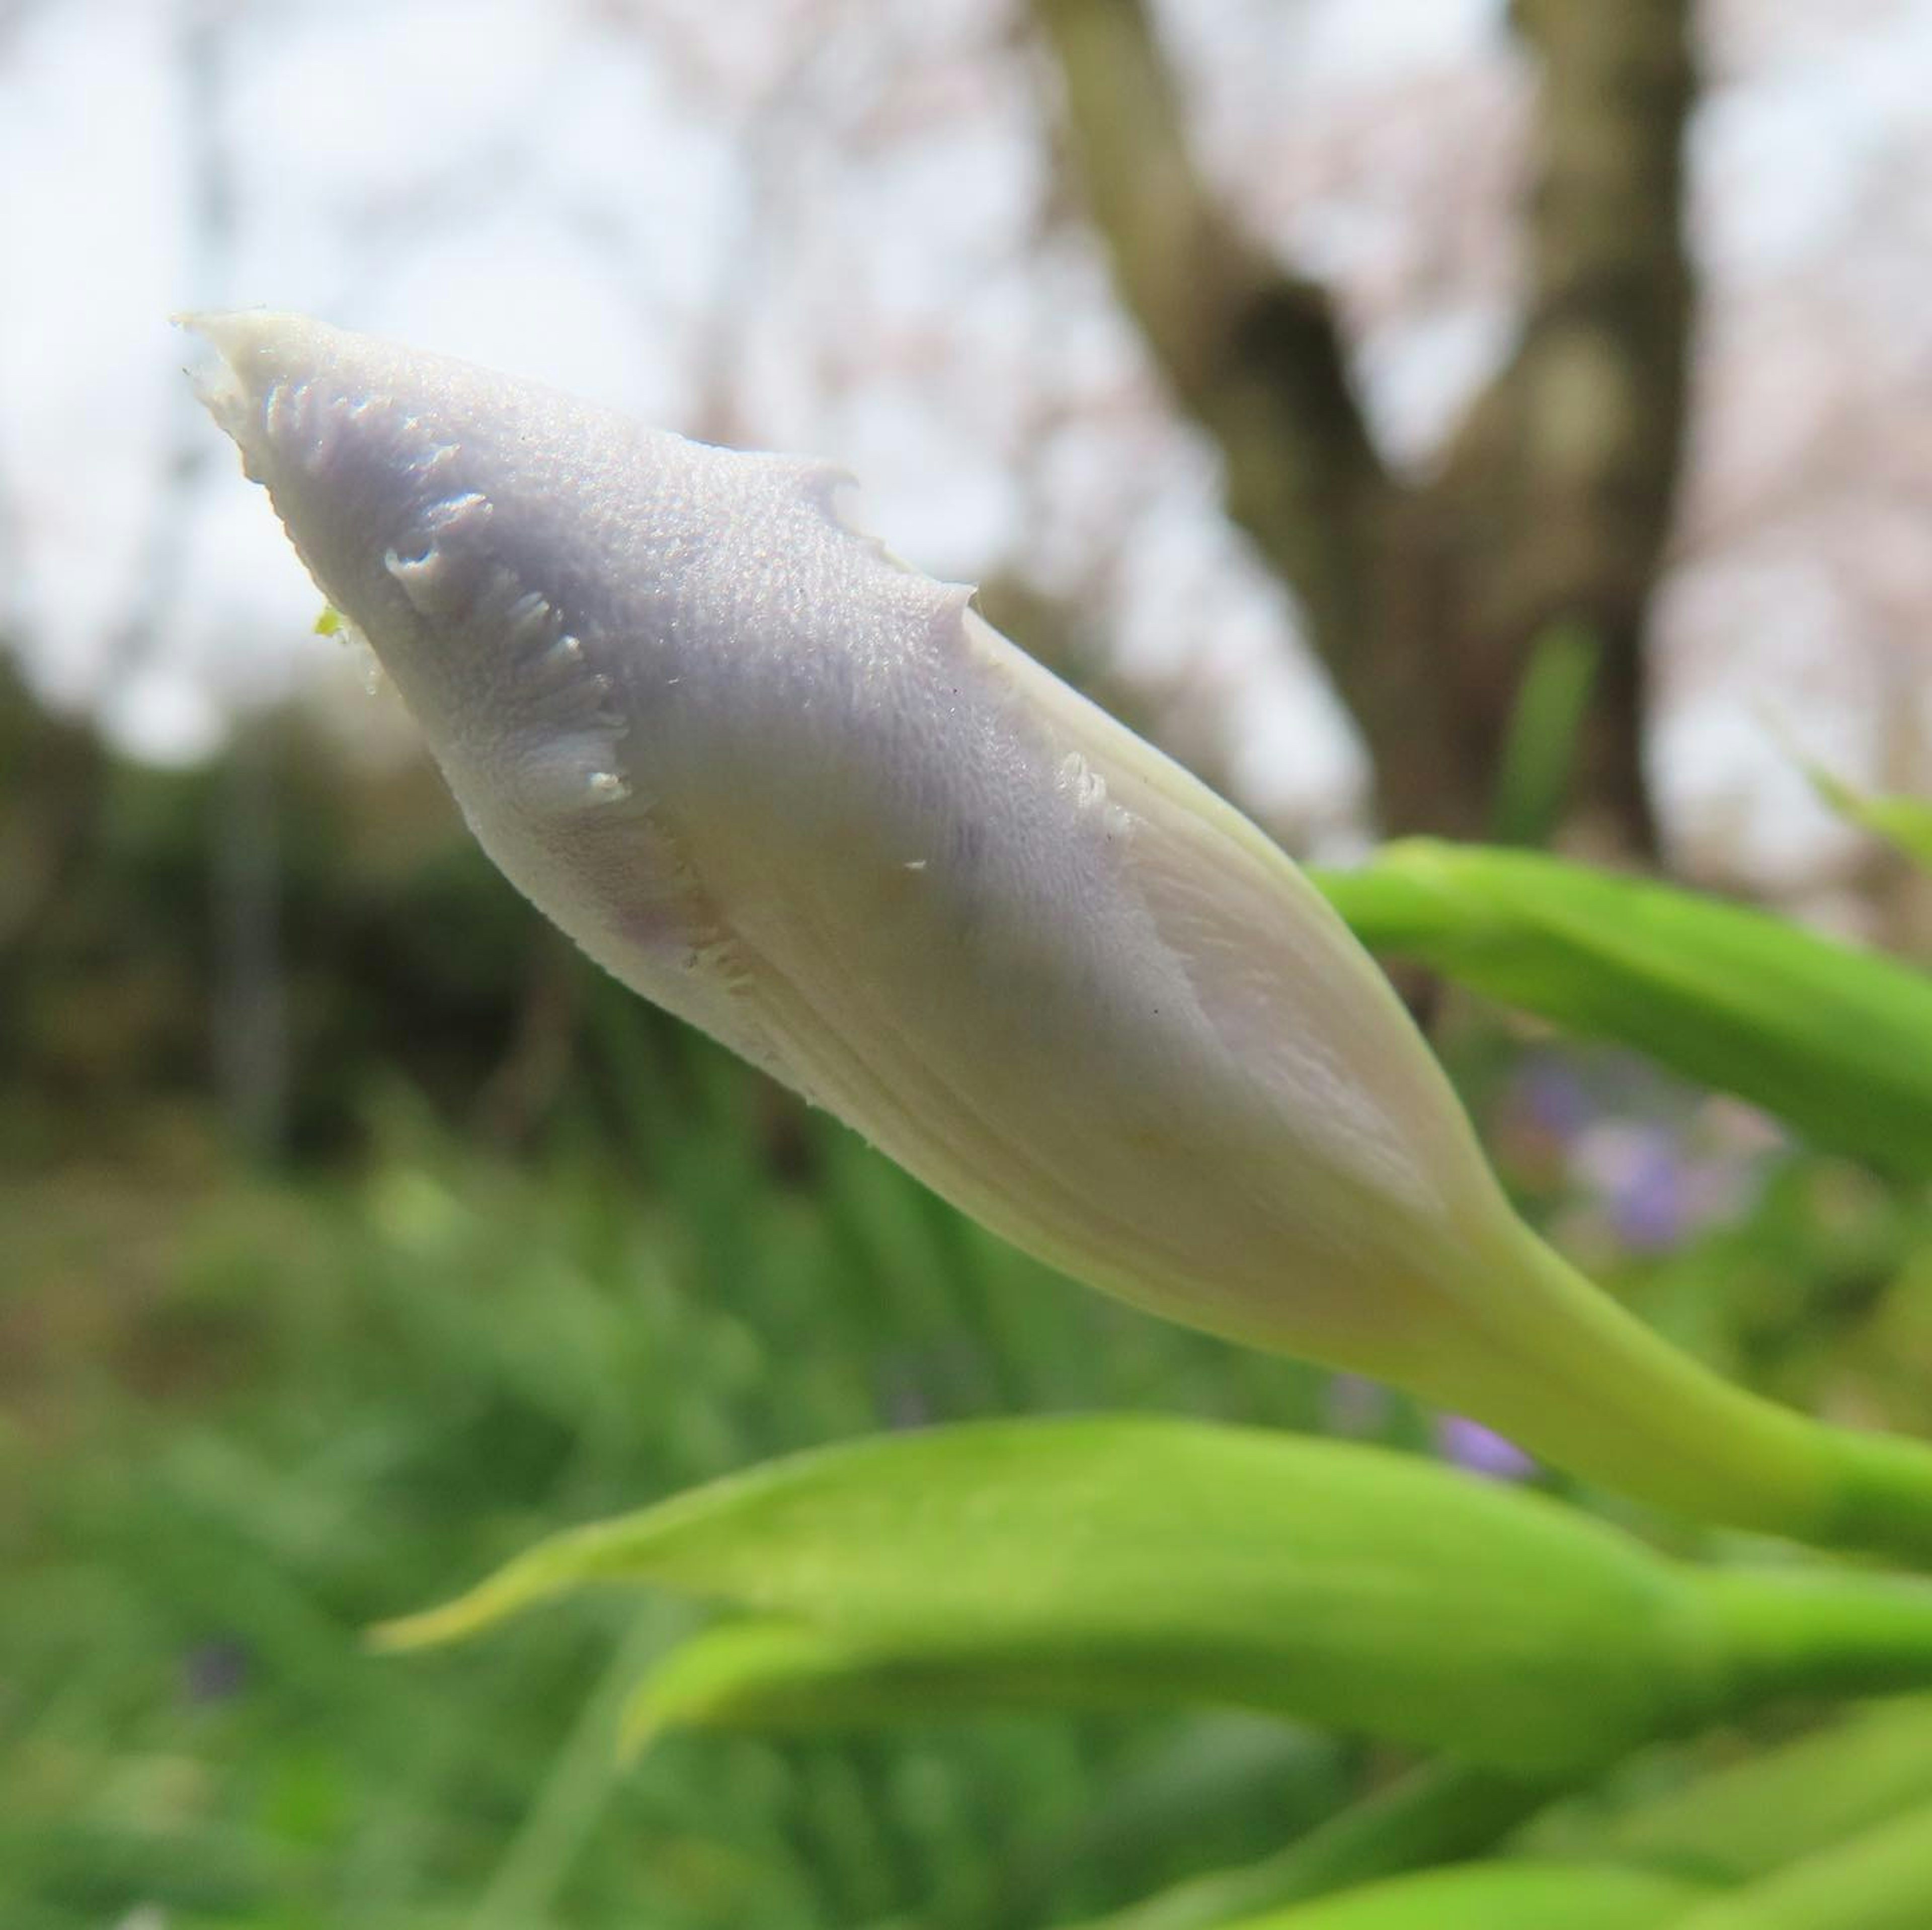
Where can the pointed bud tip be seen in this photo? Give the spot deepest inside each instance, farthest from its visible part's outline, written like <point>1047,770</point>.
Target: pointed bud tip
<point>257,347</point>
<point>231,389</point>
<point>245,338</point>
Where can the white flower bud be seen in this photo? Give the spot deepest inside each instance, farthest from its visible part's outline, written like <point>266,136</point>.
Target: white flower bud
<point>804,797</point>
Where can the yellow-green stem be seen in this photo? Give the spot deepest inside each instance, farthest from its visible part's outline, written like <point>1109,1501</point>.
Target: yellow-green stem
<point>1553,1362</point>
<point>1819,1631</point>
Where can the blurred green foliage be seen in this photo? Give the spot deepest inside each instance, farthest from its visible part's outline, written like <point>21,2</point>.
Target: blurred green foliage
<point>315,1403</point>
<point>250,1405</point>
<point>477,1246</point>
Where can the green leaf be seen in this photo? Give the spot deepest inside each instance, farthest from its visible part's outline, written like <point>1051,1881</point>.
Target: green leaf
<point>1904,822</point>
<point>768,1676</point>
<point>1879,1881</point>
<point>1539,753</point>
<point>1835,1041</point>
<point>1440,1812</point>
<point>1500,1896</point>
<point>1747,1819</point>
<point>1140,1560</point>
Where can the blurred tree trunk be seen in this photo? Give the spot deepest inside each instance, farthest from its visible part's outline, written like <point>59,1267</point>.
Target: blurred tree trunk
<point>1426,600</point>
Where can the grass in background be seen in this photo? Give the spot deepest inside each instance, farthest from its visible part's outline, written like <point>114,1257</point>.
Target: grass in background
<point>250,1417</point>
<point>244,1413</point>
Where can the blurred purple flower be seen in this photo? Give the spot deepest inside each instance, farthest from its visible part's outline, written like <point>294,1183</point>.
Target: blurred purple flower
<point>1481,1450</point>
<point>1655,1187</point>
<point>1650,1210</point>
<point>1553,1098</point>
<point>1545,1106</point>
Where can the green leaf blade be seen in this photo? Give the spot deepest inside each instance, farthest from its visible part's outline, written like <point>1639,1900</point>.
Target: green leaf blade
<point>1147,1561</point>
<point>1746,1819</point>
<point>1500,1896</point>
<point>1903,821</point>
<point>1836,1041</point>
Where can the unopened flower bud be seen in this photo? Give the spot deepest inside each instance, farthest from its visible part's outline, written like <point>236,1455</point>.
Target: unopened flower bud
<point>804,797</point>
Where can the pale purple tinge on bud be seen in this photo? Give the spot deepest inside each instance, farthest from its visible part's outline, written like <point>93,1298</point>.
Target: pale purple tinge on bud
<point>804,797</point>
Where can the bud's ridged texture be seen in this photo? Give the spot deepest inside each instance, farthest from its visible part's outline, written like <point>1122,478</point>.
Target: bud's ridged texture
<point>803,796</point>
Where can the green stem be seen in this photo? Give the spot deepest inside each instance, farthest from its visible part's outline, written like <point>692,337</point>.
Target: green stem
<point>1822,1631</point>
<point>1554,1363</point>
<point>537,1859</point>
<point>1883,1496</point>
<point>1445,1812</point>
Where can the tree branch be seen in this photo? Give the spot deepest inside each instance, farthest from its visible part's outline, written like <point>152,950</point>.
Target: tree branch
<point>1425,604</point>
<point>1251,352</point>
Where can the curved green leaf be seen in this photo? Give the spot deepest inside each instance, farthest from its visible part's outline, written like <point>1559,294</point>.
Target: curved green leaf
<point>1139,1560</point>
<point>1904,821</point>
<point>1346,1585</point>
<point>1879,1881</point>
<point>1439,1813</point>
<point>1837,1042</point>
<point>768,1676</point>
<point>1746,1819</point>
<point>1729,1827</point>
<point>1500,1896</point>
